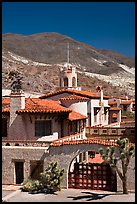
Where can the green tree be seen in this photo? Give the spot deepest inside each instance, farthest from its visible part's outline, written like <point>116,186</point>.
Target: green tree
<point>127,151</point>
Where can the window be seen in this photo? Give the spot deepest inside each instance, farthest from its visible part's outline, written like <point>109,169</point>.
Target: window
<point>70,126</point>
<point>66,81</point>
<point>125,108</point>
<point>42,128</point>
<point>113,131</point>
<point>73,81</point>
<point>104,131</point>
<point>4,127</point>
<point>95,131</point>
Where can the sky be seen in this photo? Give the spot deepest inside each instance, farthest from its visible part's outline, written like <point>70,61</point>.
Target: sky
<point>104,25</point>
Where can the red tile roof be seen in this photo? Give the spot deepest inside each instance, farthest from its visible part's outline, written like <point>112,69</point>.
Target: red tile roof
<point>121,97</point>
<point>5,100</point>
<point>97,159</point>
<point>84,141</point>
<point>6,109</point>
<point>83,93</point>
<point>114,108</point>
<point>112,102</point>
<point>74,97</point>
<point>76,116</point>
<point>126,102</point>
<point>35,105</point>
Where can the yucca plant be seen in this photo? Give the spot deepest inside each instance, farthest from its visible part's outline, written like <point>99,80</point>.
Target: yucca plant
<point>51,178</point>
<point>126,153</point>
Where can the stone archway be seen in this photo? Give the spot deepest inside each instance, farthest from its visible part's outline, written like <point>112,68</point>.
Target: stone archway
<point>65,152</point>
<point>94,176</point>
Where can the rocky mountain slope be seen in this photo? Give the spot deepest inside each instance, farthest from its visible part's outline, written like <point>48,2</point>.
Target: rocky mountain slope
<point>39,57</point>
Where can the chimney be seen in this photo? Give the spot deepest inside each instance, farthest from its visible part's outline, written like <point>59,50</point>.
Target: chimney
<point>99,89</point>
<point>17,101</point>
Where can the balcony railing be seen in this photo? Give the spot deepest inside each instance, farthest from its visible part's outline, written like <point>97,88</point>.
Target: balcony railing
<point>110,133</point>
<point>78,136</point>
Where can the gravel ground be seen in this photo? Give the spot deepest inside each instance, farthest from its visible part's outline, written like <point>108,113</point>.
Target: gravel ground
<point>69,195</point>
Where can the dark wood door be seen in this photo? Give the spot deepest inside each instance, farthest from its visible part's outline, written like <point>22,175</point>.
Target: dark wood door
<point>19,171</point>
<point>92,176</point>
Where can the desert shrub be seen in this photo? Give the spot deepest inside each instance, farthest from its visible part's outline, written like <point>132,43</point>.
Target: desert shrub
<point>31,185</point>
<point>49,180</point>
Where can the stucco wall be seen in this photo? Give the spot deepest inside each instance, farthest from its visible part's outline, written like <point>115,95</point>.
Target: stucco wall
<point>23,127</point>
<point>80,107</point>
<point>104,120</point>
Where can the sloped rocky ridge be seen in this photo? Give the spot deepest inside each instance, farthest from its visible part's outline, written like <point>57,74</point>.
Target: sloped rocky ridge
<point>39,57</point>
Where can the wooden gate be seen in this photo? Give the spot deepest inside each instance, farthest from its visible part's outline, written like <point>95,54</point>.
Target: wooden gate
<point>92,176</point>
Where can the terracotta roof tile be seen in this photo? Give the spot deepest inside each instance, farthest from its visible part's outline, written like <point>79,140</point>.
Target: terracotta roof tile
<point>83,93</point>
<point>114,108</point>
<point>5,100</point>
<point>35,105</point>
<point>76,116</point>
<point>97,159</point>
<point>84,141</point>
<point>121,97</point>
<point>112,102</point>
<point>74,97</point>
<point>6,109</point>
<point>126,102</point>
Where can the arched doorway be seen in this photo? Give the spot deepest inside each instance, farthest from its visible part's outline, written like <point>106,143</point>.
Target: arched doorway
<point>93,176</point>
<point>73,82</point>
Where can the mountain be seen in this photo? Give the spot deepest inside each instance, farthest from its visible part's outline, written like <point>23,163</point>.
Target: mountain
<point>39,57</point>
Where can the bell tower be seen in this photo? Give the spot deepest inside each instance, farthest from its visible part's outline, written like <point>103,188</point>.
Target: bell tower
<point>68,74</point>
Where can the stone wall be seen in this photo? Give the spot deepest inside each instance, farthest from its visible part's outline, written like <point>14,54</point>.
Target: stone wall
<point>64,155</point>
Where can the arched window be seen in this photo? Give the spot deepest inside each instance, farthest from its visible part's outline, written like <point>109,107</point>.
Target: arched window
<point>65,81</point>
<point>74,81</point>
